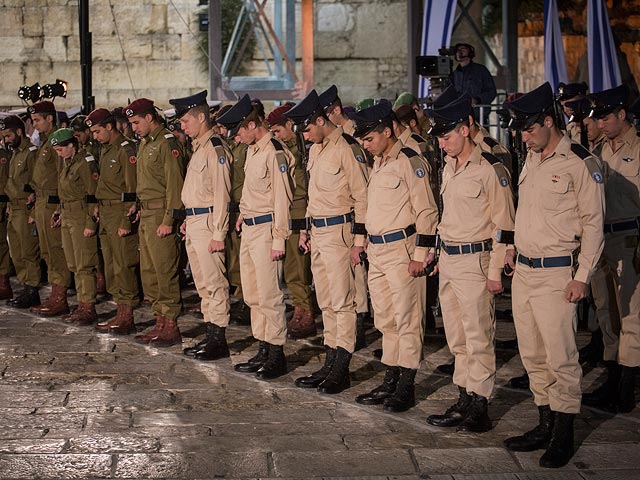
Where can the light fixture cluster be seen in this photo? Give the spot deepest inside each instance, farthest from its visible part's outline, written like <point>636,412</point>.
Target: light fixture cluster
<point>35,92</point>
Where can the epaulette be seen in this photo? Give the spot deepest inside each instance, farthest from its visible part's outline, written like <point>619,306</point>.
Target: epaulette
<point>416,162</point>
<point>33,148</point>
<point>590,161</point>
<point>93,166</point>
<point>580,151</point>
<point>126,142</point>
<point>498,167</point>
<point>283,161</point>
<point>489,157</point>
<point>219,147</point>
<point>355,148</point>
<point>169,135</point>
<point>418,138</point>
<point>492,142</point>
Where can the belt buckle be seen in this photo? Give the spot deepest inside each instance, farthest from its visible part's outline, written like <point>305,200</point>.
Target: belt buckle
<point>530,262</point>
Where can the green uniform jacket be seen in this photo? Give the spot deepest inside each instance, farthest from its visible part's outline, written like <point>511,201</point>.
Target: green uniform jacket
<point>78,182</point>
<point>46,168</point>
<point>21,170</point>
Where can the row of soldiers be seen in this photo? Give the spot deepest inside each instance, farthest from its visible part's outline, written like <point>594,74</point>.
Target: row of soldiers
<point>371,199</point>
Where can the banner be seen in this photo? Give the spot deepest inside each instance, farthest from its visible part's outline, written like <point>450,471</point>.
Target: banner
<point>604,71</point>
<point>555,64</point>
<point>437,24</point>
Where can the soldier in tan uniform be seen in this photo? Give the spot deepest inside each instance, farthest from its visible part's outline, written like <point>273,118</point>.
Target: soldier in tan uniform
<point>206,195</point>
<point>337,199</point>
<point>5,261</point>
<point>23,244</point>
<point>264,221</point>
<point>400,204</point>
<point>160,175</point>
<point>559,239</point>
<point>621,163</point>
<point>77,187</point>
<point>478,202</point>
<point>297,267</point>
<point>116,194</point>
<point>571,92</point>
<point>45,183</point>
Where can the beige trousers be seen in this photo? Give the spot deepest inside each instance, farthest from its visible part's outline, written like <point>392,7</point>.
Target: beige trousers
<point>603,290</point>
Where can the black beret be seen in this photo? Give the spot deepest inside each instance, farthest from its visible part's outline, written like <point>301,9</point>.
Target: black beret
<point>12,121</point>
<point>78,123</point>
<point>445,119</point>
<point>369,118</point>
<point>528,108</point>
<point>184,104</point>
<point>570,90</point>
<point>305,111</point>
<point>606,101</point>
<point>328,97</point>
<point>233,117</point>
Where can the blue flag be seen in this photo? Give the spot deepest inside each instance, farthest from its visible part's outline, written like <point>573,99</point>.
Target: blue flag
<point>555,65</point>
<point>604,71</point>
<point>437,25</point>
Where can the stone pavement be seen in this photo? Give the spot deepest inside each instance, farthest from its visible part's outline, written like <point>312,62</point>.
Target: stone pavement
<point>77,404</point>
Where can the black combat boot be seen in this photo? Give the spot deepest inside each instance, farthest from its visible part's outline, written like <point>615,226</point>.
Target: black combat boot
<point>29,297</point>
<point>379,394</point>
<point>404,397</point>
<point>317,377</point>
<point>338,379</point>
<point>560,448</point>
<point>537,438</point>
<point>191,351</point>
<point>606,395</point>
<point>477,419</point>
<point>361,340</point>
<point>455,414</point>
<point>254,363</point>
<point>275,366</point>
<point>626,395</point>
<point>446,368</point>
<point>216,346</point>
<point>594,350</point>
<point>520,383</point>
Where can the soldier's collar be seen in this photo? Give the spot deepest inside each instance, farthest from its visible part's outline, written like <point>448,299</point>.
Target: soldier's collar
<point>24,144</point>
<point>263,141</point>
<point>198,142</point>
<point>155,133</point>
<point>335,135</point>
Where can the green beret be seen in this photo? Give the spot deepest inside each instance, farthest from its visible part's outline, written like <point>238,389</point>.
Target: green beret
<point>62,137</point>
<point>405,98</point>
<point>365,103</point>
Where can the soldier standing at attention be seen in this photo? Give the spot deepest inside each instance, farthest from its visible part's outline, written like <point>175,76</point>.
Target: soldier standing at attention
<point>116,194</point>
<point>77,187</point>
<point>400,204</point>
<point>423,126</point>
<point>5,261</point>
<point>337,207</point>
<point>160,175</point>
<point>264,219</point>
<point>23,244</point>
<point>478,201</point>
<point>297,267</point>
<point>206,194</point>
<point>560,217</point>
<point>570,92</point>
<point>45,183</point>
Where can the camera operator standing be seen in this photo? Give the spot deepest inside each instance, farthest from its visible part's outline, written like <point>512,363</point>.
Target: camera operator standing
<point>472,78</point>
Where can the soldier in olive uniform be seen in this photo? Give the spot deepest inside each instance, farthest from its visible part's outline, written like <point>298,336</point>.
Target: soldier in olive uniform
<point>45,183</point>
<point>116,194</point>
<point>77,187</point>
<point>5,261</point>
<point>408,98</point>
<point>160,176</point>
<point>23,244</point>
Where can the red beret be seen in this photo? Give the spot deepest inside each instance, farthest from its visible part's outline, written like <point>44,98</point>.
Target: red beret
<point>138,107</point>
<point>42,107</point>
<point>98,116</point>
<point>277,114</point>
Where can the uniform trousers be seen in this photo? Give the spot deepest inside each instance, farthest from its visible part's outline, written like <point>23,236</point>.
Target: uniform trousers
<point>334,280</point>
<point>297,267</point>
<point>5,259</point>
<point>361,289</point>
<point>121,256</point>
<point>208,270</point>
<point>394,297</point>
<point>23,245</point>
<point>546,329</point>
<point>159,265</point>
<point>50,240</point>
<point>261,284</point>
<point>605,298</point>
<point>232,254</point>
<point>81,252</point>
<point>468,314</point>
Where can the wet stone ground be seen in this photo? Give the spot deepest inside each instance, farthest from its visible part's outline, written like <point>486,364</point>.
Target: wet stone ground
<point>75,404</point>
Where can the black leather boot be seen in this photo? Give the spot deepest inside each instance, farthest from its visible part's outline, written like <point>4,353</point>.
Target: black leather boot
<point>477,419</point>
<point>594,350</point>
<point>317,377</point>
<point>275,366</point>
<point>536,438</point>
<point>254,363</point>
<point>521,382</point>
<point>216,346</point>
<point>606,395</point>
<point>29,297</point>
<point>560,448</point>
<point>446,368</point>
<point>338,379</point>
<point>404,397</point>
<point>361,340</point>
<point>626,395</point>
<point>191,351</point>
<point>378,395</point>
<point>455,414</point>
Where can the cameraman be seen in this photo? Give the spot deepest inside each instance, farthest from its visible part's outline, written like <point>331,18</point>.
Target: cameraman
<point>472,78</point>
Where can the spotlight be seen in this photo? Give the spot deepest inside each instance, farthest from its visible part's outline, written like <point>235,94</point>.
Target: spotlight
<point>31,94</point>
<point>58,89</point>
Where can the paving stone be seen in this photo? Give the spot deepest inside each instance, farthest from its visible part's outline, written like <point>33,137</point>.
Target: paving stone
<point>464,460</point>
<point>32,446</point>
<point>55,467</point>
<point>611,475</point>
<point>99,443</point>
<point>553,475</point>
<point>257,443</point>
<point>588,457</point>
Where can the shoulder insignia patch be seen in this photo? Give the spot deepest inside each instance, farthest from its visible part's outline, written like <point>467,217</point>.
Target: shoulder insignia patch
<point>126,142</point>
<point>492,159</point>
<point>417,165</point>
<point>282,167</point>
<point>597,177</point>
<point>3,160</point>
<point>221,160</point>
<point>95,175</point>
<point>175,152</point>
<point>357,151</point>
<point>504,181</point>
<point>33,148</point>
<point>580,151</point>
<point>133,159</point>
<point>490,141</point>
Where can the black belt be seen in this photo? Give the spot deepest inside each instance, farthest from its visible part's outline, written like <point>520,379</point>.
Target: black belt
<point>621,226</point>
<point>393,237</point>
<point>329,221</point>
<point>484,246</point>
<point>198,211</point>
<point>258,220</point>
<point>546,262</point>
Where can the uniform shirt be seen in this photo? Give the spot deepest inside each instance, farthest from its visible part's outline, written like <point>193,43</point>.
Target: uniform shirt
<point>477,202</point>
<point>92,147</point>
<point>78,178</point>
<point>20,170</point>
<point>118,174</point>
<point>573,131</point>
<point>337,181</point>
<point>561,208</point>
<point>349,127</point>
<point>622,180</point>
<point>399,196</point>
<point>4,176</point>
<point>299,204</point>
<point>489,144</point>
<point>208,182</point>
<point>239,151</point>
<point>46,168</point>
<point>267,189</point>
<point>160,170</point>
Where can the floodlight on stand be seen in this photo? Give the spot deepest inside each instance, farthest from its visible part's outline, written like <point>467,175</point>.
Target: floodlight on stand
<point>30,93</point>
<point>58,89</point>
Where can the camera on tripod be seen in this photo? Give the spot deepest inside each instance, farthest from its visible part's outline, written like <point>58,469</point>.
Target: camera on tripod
<point>434,66</point>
